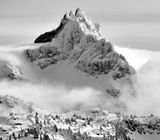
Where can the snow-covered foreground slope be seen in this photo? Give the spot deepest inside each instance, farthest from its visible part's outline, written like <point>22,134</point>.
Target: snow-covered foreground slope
<point>90,123</point>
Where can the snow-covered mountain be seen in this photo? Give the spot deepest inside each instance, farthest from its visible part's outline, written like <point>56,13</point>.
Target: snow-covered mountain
<point>74,68</point>
<point>77,56</point>
<point>77,40</point>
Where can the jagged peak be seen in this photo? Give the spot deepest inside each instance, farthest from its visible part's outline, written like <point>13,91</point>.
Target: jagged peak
<point>71,14</point>
<point>79,13</point>
<point>79,18</point>
<point>78,40</point>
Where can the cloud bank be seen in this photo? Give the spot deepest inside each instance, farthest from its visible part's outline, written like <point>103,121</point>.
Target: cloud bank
<point>58,96</point>
<point>52,97</point>
<point>146,98</point>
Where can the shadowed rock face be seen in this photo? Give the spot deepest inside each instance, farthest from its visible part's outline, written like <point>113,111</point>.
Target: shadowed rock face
<point>48,36</point>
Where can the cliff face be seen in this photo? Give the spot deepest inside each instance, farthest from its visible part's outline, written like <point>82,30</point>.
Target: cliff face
<point>48,36</point>
<point>77,40</point>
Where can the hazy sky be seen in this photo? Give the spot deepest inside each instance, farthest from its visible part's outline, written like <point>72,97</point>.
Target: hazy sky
<point>124,22</point>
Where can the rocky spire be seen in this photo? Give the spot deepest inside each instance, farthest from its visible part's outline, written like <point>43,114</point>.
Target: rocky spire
<point>79,13</point>
<point>88,27</point>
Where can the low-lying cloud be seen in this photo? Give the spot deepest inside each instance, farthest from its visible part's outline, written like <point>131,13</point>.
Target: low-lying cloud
<point>142,99</point>
<point>146,98</point>
<point>52,97</point>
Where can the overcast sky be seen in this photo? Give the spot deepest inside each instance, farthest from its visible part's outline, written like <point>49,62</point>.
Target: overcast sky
<point>125,22</point>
